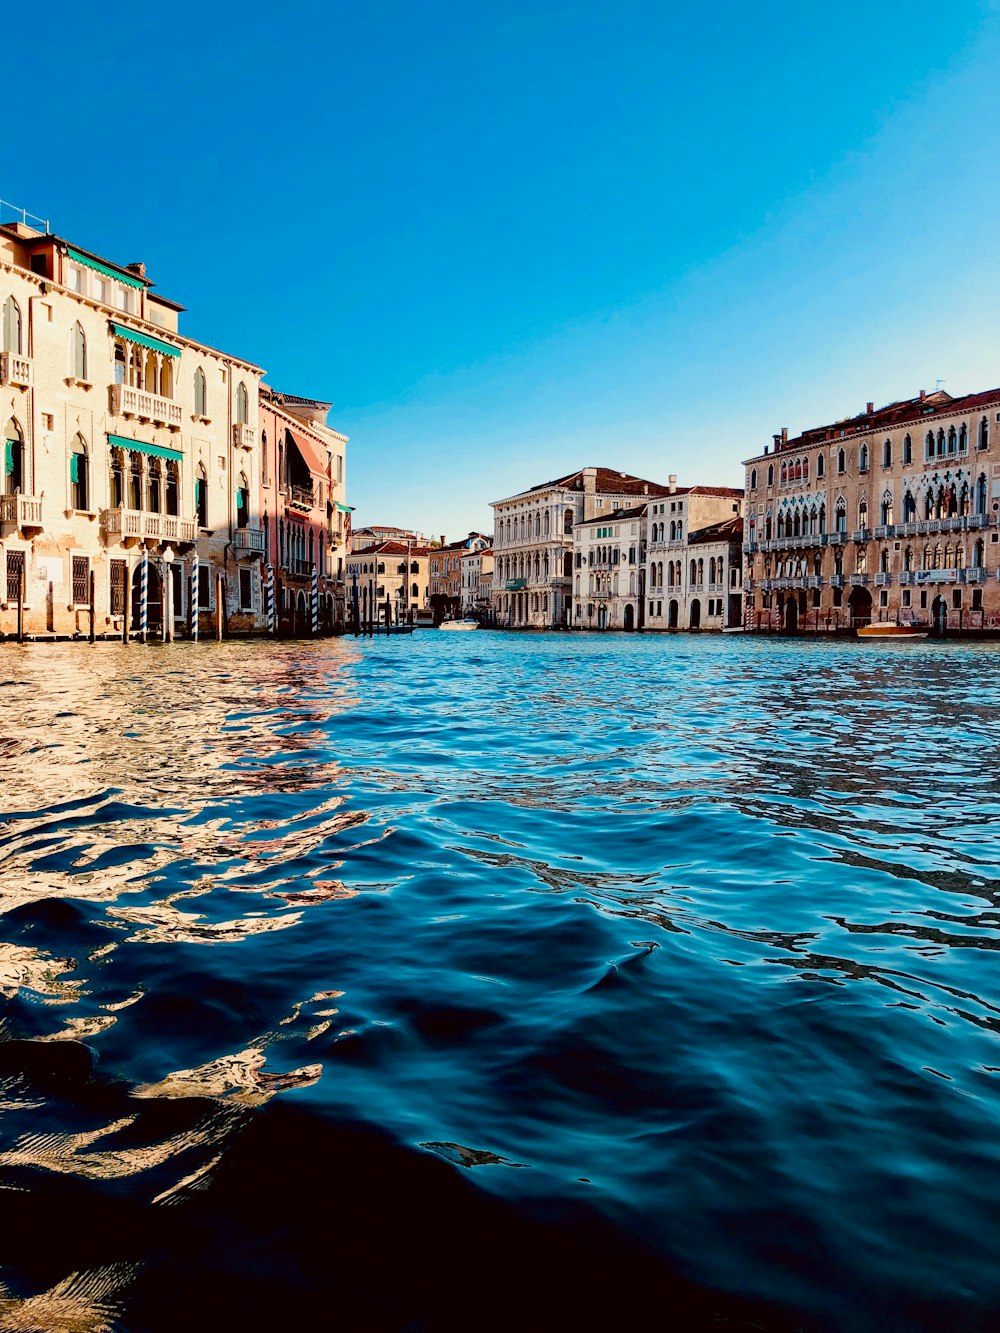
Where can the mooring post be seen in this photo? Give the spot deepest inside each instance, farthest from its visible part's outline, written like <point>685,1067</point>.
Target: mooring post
<point>93,634</point>
<point>219,605</point>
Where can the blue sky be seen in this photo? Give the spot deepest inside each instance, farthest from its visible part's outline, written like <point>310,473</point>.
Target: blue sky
<point>511,241</point>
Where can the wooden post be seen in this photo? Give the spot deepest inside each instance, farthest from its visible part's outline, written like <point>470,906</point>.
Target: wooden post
<point>93,635</point>
<point>20,602</point>
<point>220,584</point>
<point>388,617</point>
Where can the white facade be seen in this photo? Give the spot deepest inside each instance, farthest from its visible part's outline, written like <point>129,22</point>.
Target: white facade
<point>608,577</point>
<point>693,572</point>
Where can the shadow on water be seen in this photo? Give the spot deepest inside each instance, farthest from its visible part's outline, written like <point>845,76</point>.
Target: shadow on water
<point>499,981</point>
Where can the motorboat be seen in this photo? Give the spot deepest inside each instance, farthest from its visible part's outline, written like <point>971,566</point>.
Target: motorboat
<point>889,629</point>
<point>459,624</point>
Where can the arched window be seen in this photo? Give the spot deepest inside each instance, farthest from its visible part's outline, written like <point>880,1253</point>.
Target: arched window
<point>752,531</point>
<point>863,458</point>
<point>940,441</point>
<point>134,479</point>
<point>770,474</point>
<point>117,492</point>
<point>964,507</point>
<point>264,474</point>
<point>907,449</point>
<point>701,571</point>
<point>863,513</point>
<point>884,560</point>
<point>11,326</point>
<point>767,528</point>
<point>166,389</point>
<point>784,473</point>
<point>781,523</point>
<point>820,465</point>
<point>242,404</point>
<point>822,518</point>
<point>908,558</point>
<point>841,515</point>
<point>753,478</point>
<point>547,522</point>
<point>172,496</point>
<point>13,458</point>
<point>963,438</point>
<point>798,469</point>
<point>887,454</point>
<point>201,496</point>
<point>841,461</point>
<point>694,571</point>
<point>154,480</point>
<point>567,522</point>
<point>805,469</point>
<point>79,488</point>
<point>981,494</point>
<point>886,510</point>
<point>929,444</point>
<point>201,394</point>
<point>78,353</point>
<point>952,440</point>
<point>983,441</point>
<point>978,552</point>
<point>243,503</point>
<point>909,508</point>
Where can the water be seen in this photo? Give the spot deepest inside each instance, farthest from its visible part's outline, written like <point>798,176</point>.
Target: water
<point>498,981</point>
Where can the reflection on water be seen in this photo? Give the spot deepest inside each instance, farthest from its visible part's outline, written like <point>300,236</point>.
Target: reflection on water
<point>665,965</point>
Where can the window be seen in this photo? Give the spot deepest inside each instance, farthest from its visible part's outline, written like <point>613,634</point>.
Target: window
<point>15,576</point>
<point>201,497</point>
<point>820,465</point>
<point>74,278</point>
<point>863,458</point>
<point>78,480</point>
<point>887,454</point>
<point>81,580</point>
<point>246,590</point>
<point>200,394</point>
<point>78,353</point>
<point>119,583</point>
<point>242,502</point>
<point>172,488</point>
<point>770,474</point>
<point>983,438</point>
<point>13,459</point>
<point>753,479</point>
<point>241,404</point>
<point>11,326</point>
<point>203,587</point>
<point>907,449</point>
<point>841,461</point>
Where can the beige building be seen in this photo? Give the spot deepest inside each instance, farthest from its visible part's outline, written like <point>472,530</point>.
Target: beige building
<point>477,581</point>
<point>891,514</point>
<point>374,533</point>
<point>533,542</point>
<point>120,436</point>
<point>393,574</point>
<point>693,558</point>
<point>446,570</point>
<point>607,570</point>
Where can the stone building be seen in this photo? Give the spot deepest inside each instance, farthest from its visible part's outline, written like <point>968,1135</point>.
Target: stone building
<point>891,514</point>
<point>393,574</point>
<point>446,569</point>
<point>477,581</point>
<point>691,548</point>
<point>374,533</point>
<point>608,582</point>
<point>533,542</point>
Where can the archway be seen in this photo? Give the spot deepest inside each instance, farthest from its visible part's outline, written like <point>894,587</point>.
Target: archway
<point>859,606</point>
<point>672,614</point>
<point>154,598</point>
<point>629,619</point>
<point>791,615</point>
<point>602,617</point>
<point>301,615</point>
<point>694,620</point>
<point>939,616</point>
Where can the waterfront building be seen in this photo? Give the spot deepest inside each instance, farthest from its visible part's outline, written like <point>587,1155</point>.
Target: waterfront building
<point>305,519</point>
<point>608,554</point>
<point>693,568</point>
<point>889,514</point>
<point>477,580</point>
<point>446,569</point>
<point>373,533</point>
<point>533,541</point>
<point>390,573</point>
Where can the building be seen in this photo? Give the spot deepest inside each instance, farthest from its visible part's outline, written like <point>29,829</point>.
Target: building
<point>384,532</point>
<point>122,436</point>
<point>305,519</point>
<point>533,542</point>
<point>446,570</point>
<point>393,574</point>
<point>889,514</point>
<point>608,554</point>
<point>692,543</point>
<point>477,581</point>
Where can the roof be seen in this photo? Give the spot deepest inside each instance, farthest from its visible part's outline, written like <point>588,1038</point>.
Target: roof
<point>731,530</point>
<point>388,548</point>
<point>606,482</point>
<point>899,413</point>
<point>616,515</point>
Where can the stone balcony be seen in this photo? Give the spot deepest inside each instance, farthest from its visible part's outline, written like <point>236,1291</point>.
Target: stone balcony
<point>131,526</point>
<point>21,511</point>
<point>15,370</point>
<point>244,436</point>
<point>250,541</point>
<point>124,401</point>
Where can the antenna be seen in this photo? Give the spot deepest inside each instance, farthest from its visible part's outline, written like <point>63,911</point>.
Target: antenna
<point>938,383</point>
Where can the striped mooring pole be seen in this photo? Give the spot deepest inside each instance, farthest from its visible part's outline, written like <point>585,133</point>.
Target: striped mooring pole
<point>315,601</point>
<point>143,594</point>
<point>194,599</point>
<point>269,591</point>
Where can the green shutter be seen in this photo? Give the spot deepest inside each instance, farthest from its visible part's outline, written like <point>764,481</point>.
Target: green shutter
<point>8,458</point>
<point>198,489</point>
<point>240,500</point>
<point>74,467</point>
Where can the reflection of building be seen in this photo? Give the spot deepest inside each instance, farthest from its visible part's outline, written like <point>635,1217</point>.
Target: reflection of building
<point>693,558</point>
<point>477,580</point>
<point>302,499</point>
<point>446,567</point>
<point>391,573</point>
<point>888,514</point>
<point>533,541</point>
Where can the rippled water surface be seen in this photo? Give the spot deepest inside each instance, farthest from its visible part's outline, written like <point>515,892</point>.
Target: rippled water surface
<point>498,981</point>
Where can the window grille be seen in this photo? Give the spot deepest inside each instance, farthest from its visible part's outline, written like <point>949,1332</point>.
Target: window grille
<point>15,574</point>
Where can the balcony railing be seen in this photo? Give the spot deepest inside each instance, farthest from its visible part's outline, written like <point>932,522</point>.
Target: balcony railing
<point>302,568</point>
<point>130,525</point>
<point>836,580</point>
<point>857,580</point>
<point>861,535</point>
<point>972,575</point>
<point>250,540</point>
<point>24,511</point>
<point>244,436</point>
<point>129,402</point>
<point>301,496</point>
<point>15,370</point>
<point>883,580</point>
<point>837,538</point>
<point>907,577</point>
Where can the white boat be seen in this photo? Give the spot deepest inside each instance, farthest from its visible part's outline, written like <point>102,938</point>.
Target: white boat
<point>459,624</point>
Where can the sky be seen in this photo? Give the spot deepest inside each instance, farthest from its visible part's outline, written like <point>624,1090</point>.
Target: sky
<point>510,241</point>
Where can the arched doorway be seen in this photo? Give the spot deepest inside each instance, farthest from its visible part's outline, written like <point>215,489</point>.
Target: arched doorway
<point>672,614</point>
<point>602,617</point>
<point>859,606</point>
<point>629,620</point>
<point>154,598</point>
<point>791,616</point>
<point>694,620</point>
<point>939,616</point>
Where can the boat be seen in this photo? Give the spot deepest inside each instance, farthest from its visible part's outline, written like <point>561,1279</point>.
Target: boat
<point>887,629</point>
<point>734,629</point>
<point>423,620</point>
<point>459,624</point>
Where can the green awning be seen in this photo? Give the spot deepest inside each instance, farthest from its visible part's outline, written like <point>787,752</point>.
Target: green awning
<point>141,447</point>
<point>126,278</point>
<point>344,509</point>
<point>144,340</point>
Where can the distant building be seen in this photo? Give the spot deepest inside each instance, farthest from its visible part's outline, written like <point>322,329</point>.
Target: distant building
<point>533,542</point>
<point>373,533</point>
<point>393,574</point>
<point>693,543</point>
<point>608,570</point>
<point>477,581</point>
<point>446,568</point>
<point>889,514</point>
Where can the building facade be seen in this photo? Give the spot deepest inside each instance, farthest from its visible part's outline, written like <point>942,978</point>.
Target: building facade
<point>691,547</point>
<point>888,515</point>
<point>533,542</point>
<point>446,570</point>
<point>374,533</point>
<point>608,582</point>
<point>477,581</point>
<point>389,574</point>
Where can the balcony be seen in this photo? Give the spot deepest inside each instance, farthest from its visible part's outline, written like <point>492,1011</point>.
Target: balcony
<point>861,535</point>
<point>300,497</point>
<point>128,402</point>
<point>972,575</point>
<point>249,541</point>
<point>136,525</point>
<point>837,538</point>
<point>814,581</point>
<point>15,371</point>
<point>908,577</point>
<point>885,530</point>
<point>857,580</point>
<point>23,511</point>
<point>836,580</point>
<point>301,569</point>
<point>883,580</point>
<point>749,547</point>
<point>244,436</point>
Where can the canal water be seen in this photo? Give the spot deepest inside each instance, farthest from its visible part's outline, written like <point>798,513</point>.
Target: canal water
<point>487,981</point>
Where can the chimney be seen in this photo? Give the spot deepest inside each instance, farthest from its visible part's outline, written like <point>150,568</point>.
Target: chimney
<point>923,394</point>
<point>672,483</point>
<point>443,542</point>
<point>138,268</point>
<point>590,479</point>
<point>869,409</point>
